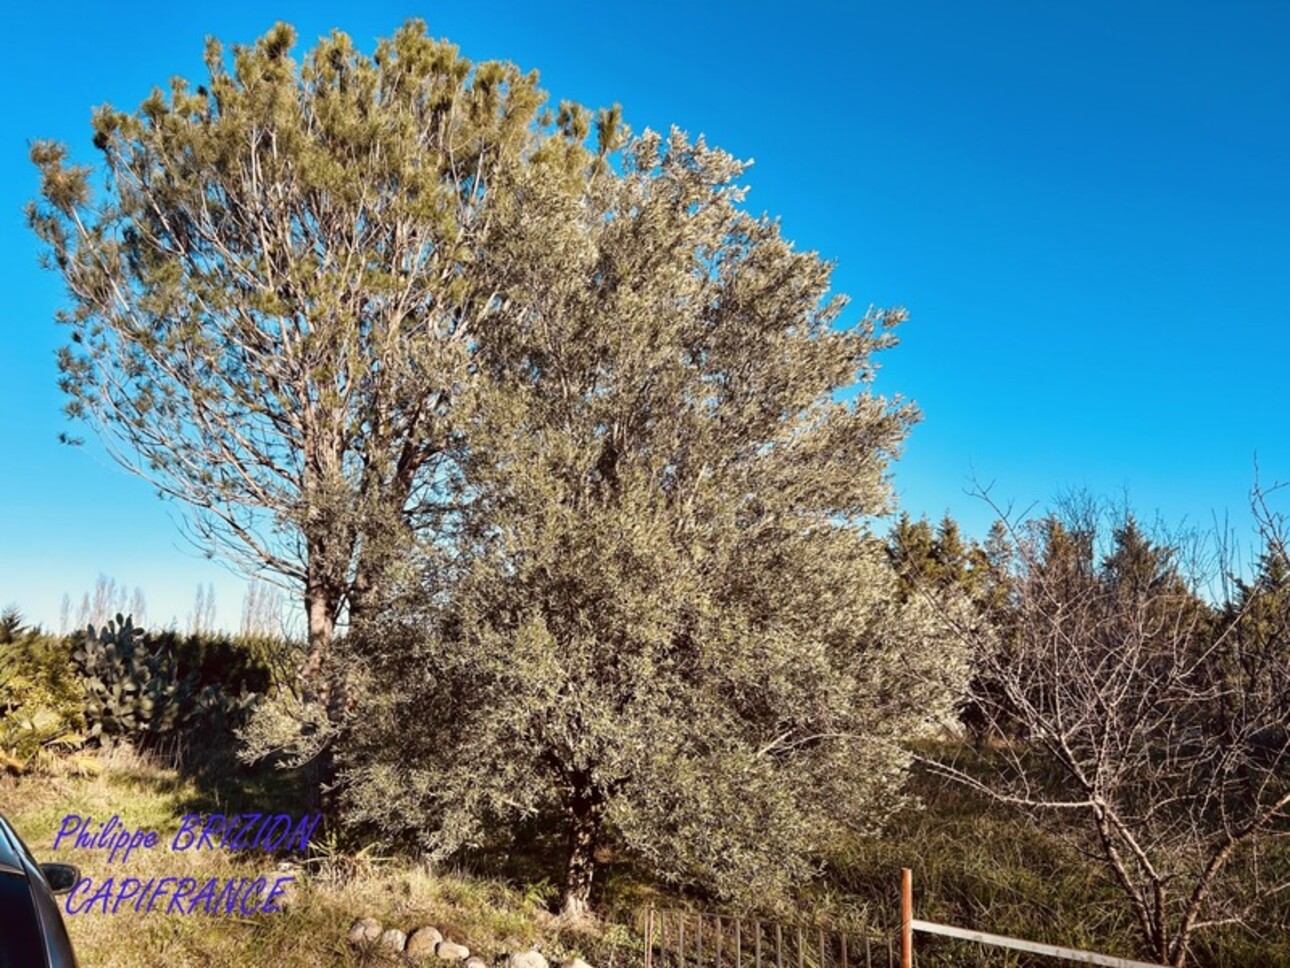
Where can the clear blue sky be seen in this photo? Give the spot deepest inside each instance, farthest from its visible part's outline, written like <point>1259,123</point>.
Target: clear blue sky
<point>1084,206</point>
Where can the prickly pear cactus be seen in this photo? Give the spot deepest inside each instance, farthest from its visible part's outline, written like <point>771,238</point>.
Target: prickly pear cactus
<point>132,691</point>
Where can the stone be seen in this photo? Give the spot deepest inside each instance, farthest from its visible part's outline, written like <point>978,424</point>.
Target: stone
<point>574,963</point>
<point>364,931</point>
<point>448,951</point>
<point>526,959</point>
<point>474,961</point>
<point>421,942</point>
<point>286,891</point>
<point>393,939</point>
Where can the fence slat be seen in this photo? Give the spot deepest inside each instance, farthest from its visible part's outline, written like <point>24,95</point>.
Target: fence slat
<point>1034,947</point>
<point>665,931</point>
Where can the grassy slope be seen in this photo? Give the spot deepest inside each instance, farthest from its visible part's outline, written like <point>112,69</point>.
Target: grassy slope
<point>974,866</point>
<point>330,892</point>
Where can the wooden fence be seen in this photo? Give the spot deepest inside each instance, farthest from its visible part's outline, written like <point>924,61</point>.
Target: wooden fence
<point>684,938</point>
<point>909,924</point>
<point>676,938</point>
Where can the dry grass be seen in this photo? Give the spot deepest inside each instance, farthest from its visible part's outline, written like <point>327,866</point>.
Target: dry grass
<point>329,893</point>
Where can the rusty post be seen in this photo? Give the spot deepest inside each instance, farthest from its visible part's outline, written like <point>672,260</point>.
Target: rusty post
<point>906,918</point>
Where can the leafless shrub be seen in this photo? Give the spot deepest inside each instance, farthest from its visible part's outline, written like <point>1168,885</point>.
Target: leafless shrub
<point>1152,724</point>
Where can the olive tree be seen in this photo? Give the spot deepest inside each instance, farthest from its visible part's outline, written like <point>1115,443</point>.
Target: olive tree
<point>664,622</point>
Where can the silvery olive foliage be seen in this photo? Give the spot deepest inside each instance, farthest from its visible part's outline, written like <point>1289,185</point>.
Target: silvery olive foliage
<point>662,621</point>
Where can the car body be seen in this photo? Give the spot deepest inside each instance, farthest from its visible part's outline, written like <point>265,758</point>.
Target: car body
<point>32,933</point>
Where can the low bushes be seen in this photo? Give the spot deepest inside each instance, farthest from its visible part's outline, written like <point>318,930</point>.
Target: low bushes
<point>42,700</point>
<point>118,682</point>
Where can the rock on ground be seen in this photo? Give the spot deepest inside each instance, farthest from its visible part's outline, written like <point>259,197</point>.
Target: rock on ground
<point>421,942</point>
<point>451,952</point>
<point>393,939</point>
<point>364,930</point>
<point>526,959</point>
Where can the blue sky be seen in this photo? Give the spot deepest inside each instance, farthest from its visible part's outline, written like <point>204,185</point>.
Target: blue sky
<point>1085,208</point>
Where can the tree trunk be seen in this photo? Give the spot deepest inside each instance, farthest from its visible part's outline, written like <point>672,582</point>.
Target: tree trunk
<point>586,809</point>
<point>320,608</point>
<point>383,543</point>
<point>361,595</point>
